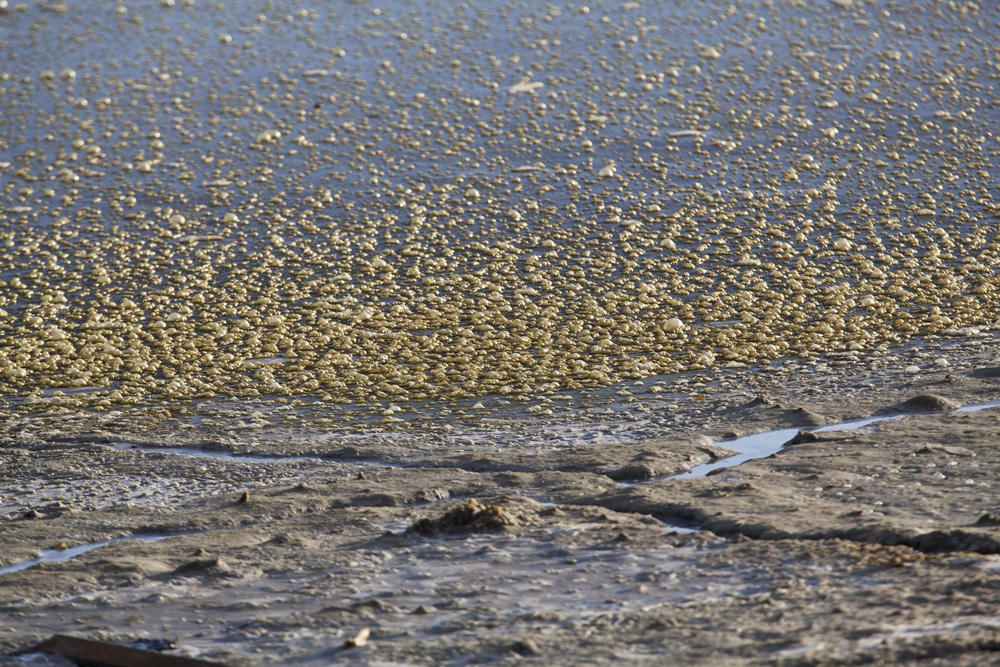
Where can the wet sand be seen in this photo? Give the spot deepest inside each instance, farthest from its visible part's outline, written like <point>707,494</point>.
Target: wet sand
<point>877,544</point>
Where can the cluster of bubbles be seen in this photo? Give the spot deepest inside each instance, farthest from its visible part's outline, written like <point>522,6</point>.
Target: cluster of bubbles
<point>406,201</point>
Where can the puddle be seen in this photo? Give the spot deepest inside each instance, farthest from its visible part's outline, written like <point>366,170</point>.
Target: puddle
<point>978,406</point>
<point>760,445</point>
<point>673,524</point>
<point>249,458</point>
<point>210,454</point>
<point>65,555</point>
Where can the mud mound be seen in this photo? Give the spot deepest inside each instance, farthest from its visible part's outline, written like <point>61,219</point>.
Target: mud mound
<point>921,403</point>
<point>803,417</point>
<point>469,517</point>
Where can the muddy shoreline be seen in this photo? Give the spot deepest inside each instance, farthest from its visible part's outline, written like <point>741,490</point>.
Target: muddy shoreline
<point>496,541</point>
<point>418,323</point>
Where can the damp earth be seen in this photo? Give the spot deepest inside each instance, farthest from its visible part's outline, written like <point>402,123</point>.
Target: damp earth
<point>404,332</point>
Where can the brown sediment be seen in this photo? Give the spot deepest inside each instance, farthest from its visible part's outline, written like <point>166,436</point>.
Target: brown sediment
<point>845,529</point>
<point>398,325</point>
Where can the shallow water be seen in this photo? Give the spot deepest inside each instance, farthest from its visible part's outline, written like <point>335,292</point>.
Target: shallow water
<point>359,206</point>
<point>761,445</point>
<point>68,554</point>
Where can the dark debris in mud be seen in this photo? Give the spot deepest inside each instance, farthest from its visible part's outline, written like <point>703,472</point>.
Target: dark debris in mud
<point>470,516</point>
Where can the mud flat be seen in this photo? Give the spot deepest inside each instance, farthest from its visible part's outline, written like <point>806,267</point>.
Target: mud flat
<point>491,543</point>
<point>428,333</point>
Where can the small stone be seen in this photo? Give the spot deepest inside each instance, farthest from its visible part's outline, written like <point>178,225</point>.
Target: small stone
<point>803,437</point>
<point>761,400</point>
<point>212,564</point>
<point>358,640</point>
<point>634,471</point>
<point>525,647</point>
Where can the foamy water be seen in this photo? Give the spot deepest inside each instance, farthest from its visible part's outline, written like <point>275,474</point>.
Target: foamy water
<point>385,208</point>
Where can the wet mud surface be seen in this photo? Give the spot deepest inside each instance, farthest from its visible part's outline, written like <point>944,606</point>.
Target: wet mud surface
<point>420,333</point>
<point>878,544</point>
